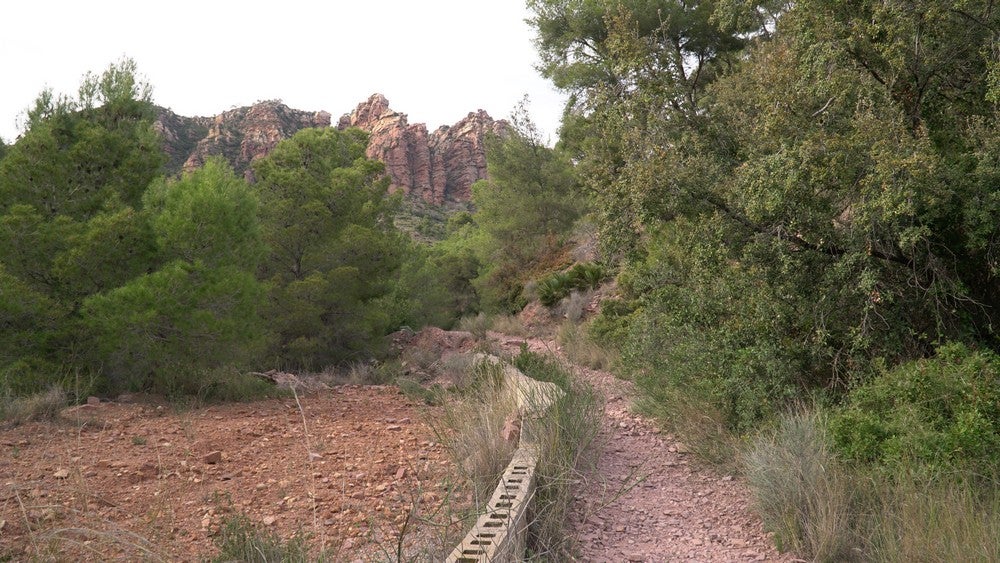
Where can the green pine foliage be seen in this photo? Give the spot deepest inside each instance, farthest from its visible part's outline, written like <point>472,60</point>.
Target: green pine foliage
<point>524,213</point>
<point>200,308</point>
<point>335,256</point>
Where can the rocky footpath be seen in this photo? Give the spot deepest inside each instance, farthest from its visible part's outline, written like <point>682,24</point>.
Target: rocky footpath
<point>648,499</point>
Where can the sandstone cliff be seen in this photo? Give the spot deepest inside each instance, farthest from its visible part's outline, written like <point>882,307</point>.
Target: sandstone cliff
<point>239,135</point>
<point>437,167</point>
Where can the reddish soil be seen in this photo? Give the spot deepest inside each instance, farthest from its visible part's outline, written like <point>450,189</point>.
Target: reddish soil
<point>140,481</point>
<point>648,499</point>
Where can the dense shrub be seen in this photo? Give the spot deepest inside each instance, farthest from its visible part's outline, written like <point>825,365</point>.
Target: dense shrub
<point>554,287</point>
<point>939,412</point>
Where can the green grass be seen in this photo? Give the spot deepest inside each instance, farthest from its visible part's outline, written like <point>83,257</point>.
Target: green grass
<point>476,324</point>
<point>583,350</point>
<point>414,391</point>
<point>568,431</point>
<point>800,490</point>
<point>241,540</point>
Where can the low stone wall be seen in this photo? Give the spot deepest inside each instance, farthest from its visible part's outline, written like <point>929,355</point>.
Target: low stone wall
<point>501,530</point>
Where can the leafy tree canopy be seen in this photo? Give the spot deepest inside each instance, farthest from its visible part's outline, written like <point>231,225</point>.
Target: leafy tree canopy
<point>524,210</point>
<point>334,252</point>
<point>810,187</point>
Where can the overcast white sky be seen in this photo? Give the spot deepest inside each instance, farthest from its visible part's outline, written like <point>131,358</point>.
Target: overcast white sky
<point>435,60</point>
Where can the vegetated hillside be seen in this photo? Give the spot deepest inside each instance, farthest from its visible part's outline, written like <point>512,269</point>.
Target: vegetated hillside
<point>801,200</point>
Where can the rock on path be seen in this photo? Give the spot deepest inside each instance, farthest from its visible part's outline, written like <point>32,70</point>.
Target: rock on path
<point>648,500</point>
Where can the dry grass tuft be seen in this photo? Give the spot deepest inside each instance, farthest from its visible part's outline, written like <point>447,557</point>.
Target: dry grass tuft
<point>582,350</point>
<point>45,405</point>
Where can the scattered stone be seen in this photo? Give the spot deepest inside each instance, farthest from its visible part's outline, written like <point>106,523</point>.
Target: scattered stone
<point>394,427</point>
<point>400,473</point>
<point>313,456</point>
<point>61,473</point>
<point>511,432</point>
<point>212,458</point>
<point>93,401</point>
<point>269,520</point>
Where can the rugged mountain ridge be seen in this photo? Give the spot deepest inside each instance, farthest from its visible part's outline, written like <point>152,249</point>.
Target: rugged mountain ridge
<point>239,135</point>
<point>437,167</point>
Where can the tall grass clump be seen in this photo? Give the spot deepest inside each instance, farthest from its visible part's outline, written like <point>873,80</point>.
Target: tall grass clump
<point>905,469</point>
<point>228,385</point>
<point>826,509</point>
<point>581,349</point>
<point>803,496</point>
<point>471,429</point>
<point>510,324</point>
<point>944,518</point>
<point>476,324</point>
<point>240,540</point>
<point>689,412</point>
<point>560,434</point>
<point>44,405</point>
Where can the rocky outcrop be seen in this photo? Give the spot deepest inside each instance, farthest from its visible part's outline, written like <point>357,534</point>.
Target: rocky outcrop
<point>437,167</point>
<point>240,135</point>
<point>180,136</point>
<point>459,153</point>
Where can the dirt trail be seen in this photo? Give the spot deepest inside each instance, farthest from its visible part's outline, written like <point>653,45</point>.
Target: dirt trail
<point>679,510</point>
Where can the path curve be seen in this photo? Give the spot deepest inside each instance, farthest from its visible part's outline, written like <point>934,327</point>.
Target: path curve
<point>675,509</point>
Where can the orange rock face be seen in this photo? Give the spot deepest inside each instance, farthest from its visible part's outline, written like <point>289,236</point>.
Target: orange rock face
<point>437,167</point>
<point>240,135</point>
